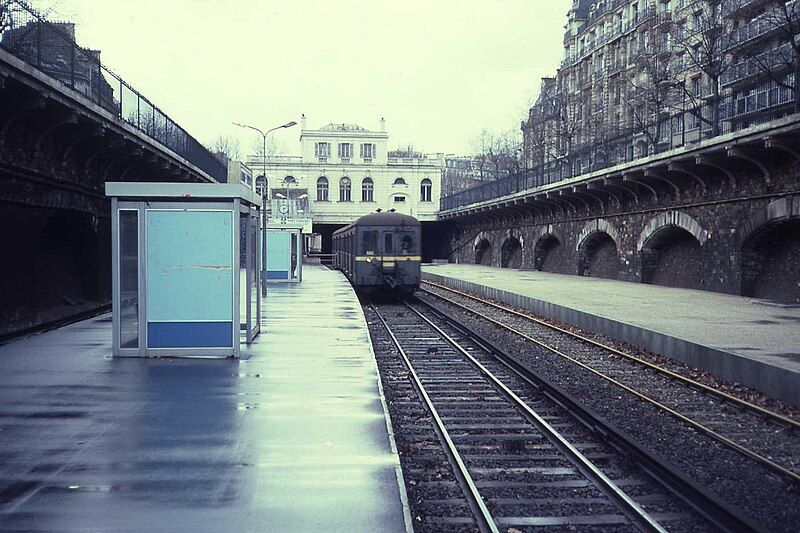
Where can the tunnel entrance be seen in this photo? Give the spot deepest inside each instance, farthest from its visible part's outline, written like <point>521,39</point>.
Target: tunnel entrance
<point>326,232</point>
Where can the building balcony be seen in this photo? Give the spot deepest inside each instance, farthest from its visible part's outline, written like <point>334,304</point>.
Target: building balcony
<point>746,71</point>
<point>616,66</point>
<point>751,34</point>
<point>756,104</point>
<point>746,8</point>
<point>664,18</point>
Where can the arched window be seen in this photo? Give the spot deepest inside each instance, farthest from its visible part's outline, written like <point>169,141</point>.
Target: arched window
<point>344,190</point>
<point>425,190</point>
<point>367,188</point>
<point>322,189</point>
<point>399,181</point>
<point>289,179</point>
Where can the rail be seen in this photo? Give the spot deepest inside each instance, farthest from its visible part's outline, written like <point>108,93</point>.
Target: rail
<point>716,435</point>
<point>491,362</point>
<point>51,47</point>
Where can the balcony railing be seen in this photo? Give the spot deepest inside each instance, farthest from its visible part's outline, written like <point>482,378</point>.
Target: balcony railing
<point>762,64</point>
<point>53,50</point>
<point>674,130</point>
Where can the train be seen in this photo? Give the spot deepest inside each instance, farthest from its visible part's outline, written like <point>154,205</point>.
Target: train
<point>380,253</point>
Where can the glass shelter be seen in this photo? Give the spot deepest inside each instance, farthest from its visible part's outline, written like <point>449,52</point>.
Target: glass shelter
<point>185,263</point>
<point>284,253</point>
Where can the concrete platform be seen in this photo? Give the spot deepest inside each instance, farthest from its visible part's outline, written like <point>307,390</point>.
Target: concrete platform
<point>745,340</point>
<point>293,439</point>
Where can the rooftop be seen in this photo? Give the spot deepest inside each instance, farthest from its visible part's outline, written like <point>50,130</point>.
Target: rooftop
<point>343,127</point>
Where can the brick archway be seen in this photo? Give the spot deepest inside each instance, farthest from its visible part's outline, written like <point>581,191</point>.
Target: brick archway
<point>483,251</point>
<point>675,219</point>
<point>594,226</point>
<point>511,252</point>
<point>770,252</point>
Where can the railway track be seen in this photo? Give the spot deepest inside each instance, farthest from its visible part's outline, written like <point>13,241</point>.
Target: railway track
<point>766,437</point>
<point>521,455</point>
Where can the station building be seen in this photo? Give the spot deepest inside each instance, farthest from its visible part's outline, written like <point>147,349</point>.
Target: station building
<point>345,171</point>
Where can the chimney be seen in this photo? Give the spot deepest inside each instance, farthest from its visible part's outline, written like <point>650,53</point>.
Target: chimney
<point>383,124</point>
<point>303,121</point>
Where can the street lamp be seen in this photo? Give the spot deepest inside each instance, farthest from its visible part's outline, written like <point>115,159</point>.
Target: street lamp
<point>264,196</point>
<point>261,186</point>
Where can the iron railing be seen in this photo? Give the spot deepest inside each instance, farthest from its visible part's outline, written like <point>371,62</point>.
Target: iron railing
<point>767,102</point>
<point>51,47</point>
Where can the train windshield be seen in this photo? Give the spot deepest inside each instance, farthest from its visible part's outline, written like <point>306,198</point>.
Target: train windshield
<point>388,243</point>
<point>369,242</point>
<point>406,244</point>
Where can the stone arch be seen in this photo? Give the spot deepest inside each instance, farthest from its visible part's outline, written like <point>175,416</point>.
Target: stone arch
<point>598,256</point>
<point>671,219</point>
<point>770,252</point>
<point>546,253</point>
<point>511,252</point>
<point>483,252</point>
<point>670,248</point>
<point>548,249</point>
<point>602,225</point>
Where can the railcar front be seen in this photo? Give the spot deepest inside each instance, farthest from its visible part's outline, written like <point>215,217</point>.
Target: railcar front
<point>387,249</point>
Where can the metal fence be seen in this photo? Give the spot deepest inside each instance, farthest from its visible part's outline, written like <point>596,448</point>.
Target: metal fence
<point>763,103</point>
<point>51,47</point>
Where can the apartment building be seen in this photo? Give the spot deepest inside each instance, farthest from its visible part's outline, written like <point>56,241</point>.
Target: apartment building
<point>643,76</point>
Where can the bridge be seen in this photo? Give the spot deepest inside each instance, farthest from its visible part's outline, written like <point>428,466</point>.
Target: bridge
<point>719,214</point>
<point>68,125</point>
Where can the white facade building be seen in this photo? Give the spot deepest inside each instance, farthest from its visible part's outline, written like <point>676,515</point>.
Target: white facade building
<point>345,171</point>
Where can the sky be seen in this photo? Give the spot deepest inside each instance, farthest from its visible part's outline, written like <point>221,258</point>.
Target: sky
<point>439,71</point>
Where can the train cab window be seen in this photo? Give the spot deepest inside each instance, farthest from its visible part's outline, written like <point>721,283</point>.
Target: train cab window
<point>406,244</point>
<point>369,242</point>
<point>388,243</point>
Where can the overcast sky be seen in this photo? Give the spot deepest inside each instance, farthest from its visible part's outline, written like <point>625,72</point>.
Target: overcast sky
<point>439,71</point>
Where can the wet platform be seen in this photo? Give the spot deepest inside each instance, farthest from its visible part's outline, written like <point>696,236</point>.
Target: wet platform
<point>745,340</point>
<point>294,438</point>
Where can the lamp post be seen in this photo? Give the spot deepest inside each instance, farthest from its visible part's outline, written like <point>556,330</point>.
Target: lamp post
<point>261,186</point>
<point>264,196</point>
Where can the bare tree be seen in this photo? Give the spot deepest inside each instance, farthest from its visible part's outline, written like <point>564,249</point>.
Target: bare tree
<point>702,45</point>
<point>511,148</point>
<point>498,154</point>
<point>5,16</point>
<point>650,89</point>
<point>783,18</point>
<point>257,148</point>
<point>226,145</point>
<point>567,127</point>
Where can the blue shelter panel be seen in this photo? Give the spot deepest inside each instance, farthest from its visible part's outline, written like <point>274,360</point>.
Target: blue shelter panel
<point>189,334</point>
<point>189,265</point>
<point>278,254</point>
